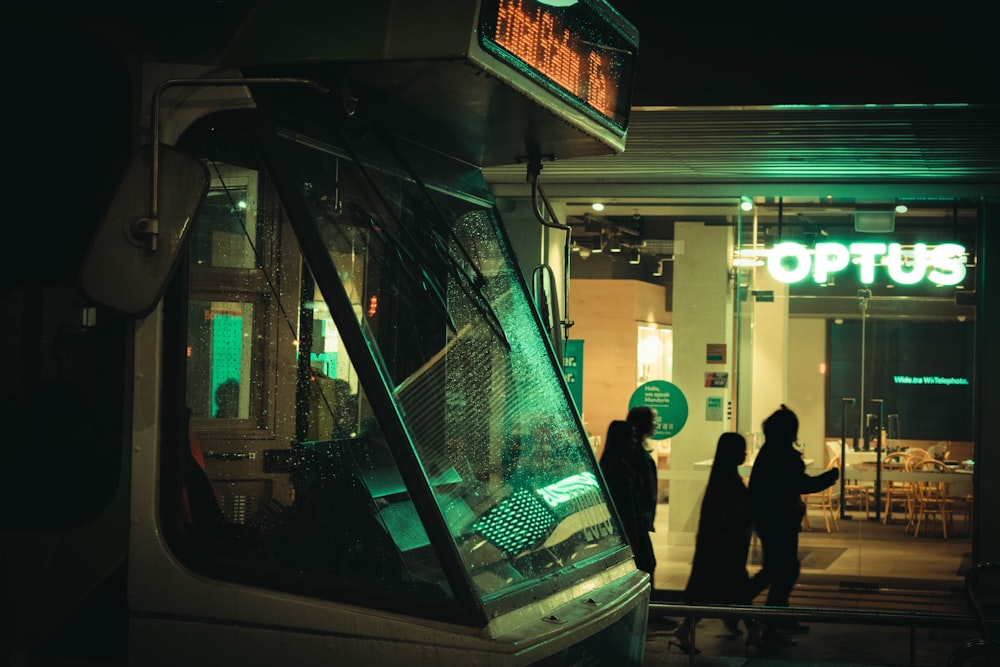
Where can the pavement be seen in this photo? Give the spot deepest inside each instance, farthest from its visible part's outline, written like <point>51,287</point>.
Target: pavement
<point>826,644</point>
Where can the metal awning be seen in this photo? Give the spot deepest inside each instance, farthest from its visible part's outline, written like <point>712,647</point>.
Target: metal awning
<point>859,151</point>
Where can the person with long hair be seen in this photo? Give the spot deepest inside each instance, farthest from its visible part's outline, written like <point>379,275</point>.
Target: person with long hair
<point>719,568</point>
<point>643,420</point>
<point>621,477</point>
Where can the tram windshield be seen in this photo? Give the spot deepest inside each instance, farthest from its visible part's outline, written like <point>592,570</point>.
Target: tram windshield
<point>424,384</point>
<point>441,306</point>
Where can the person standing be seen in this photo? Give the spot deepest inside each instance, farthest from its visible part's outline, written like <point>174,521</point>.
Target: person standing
<point>719,568</point>
<point>777,482</point>
<point>621,477</point>
<point>643,420</point>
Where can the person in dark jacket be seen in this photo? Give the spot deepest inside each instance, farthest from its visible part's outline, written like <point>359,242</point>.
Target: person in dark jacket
<point>621,477</point>
<point>643,419</point>
<point>719,568</point>
<point>777,482</point>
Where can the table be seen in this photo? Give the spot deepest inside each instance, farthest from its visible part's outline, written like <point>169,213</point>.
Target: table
<point>745,468</point>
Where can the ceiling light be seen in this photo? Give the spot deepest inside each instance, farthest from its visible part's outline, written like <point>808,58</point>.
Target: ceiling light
<point>597,206</point>
<point>753,256</point>
<point>901,208</point>
<point>746,203</point>
<point>874,221</point>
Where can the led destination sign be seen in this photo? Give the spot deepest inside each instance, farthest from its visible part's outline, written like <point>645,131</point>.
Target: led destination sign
<point>577,50</point>
<point>943,264</point>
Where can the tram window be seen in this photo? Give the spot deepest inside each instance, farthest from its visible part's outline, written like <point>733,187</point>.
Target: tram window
<point>302,491</point>
<point>227,227</point>
<point>220,358</point>
<point>228,335</point>
<point>472,469</point>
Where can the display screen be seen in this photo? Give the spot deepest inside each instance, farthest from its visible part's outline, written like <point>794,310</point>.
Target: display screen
<point>921,370</point>
<point>582,51</point>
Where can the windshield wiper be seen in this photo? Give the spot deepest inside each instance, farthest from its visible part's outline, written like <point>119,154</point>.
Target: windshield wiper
<point>472,286</point>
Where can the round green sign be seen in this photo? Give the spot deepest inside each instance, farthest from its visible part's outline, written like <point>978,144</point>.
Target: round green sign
<point>670,405</point>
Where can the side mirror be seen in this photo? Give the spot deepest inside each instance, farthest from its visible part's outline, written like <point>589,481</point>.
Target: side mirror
<point>137,246</point>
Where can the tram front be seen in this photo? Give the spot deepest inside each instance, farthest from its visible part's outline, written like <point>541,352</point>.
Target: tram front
<point>352,439</point>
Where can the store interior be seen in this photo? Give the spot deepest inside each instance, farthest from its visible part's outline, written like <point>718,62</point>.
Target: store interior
<point>912,343</point>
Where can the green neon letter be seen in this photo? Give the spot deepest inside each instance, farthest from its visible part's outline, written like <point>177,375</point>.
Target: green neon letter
<point>896,270</point>
<point>867,252</point>
<point>949,264</point>
<point>829,258</point>
<point>788,249</point>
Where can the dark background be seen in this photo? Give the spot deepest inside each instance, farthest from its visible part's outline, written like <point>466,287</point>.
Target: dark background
<point>926,412</point>
<point>813,53</point>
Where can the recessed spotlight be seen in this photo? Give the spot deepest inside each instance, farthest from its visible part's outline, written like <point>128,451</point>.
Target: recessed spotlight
<point>597,206</point>
<point>901,208</point>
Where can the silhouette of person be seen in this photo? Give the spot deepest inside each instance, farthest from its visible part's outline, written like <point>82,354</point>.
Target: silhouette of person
<point>227,400</point>
<point>777,482</point>
<point>719,568</point>
<point>344,410</point>
<point>622,478</point>
<point>643,420</point>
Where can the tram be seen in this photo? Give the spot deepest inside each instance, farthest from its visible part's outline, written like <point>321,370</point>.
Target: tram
<point>316,416</point>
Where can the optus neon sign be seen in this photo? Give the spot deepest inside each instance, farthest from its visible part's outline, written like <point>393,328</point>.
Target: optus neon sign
<point>943,264</point>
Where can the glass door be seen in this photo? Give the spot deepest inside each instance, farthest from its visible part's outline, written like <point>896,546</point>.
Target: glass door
<point>858,316</point>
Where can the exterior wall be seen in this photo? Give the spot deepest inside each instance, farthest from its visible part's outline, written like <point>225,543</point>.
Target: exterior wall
<point>703,315</point>
<point>606,314</point>
<point>769,353</point>
<point>807,384</point>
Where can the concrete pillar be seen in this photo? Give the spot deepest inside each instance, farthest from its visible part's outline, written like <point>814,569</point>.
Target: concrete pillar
<point>702,316</point>
<point>769,349</point>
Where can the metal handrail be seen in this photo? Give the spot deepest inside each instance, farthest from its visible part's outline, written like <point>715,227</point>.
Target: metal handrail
<point>972,651</point>
<point>910,619</point>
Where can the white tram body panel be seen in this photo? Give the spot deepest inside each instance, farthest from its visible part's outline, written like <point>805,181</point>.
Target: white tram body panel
<point>351,440</point>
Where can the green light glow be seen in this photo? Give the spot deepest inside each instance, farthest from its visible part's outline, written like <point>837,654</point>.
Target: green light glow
<point>930,380</point>
<point>792,262</point>
<point>949,260</point>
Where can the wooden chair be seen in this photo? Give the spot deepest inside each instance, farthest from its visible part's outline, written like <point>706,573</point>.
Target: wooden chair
<point>911,506</point>
<point>896,493</point>
<point>857,493</point>
<point>825,501</point>
<point>931,501</point>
